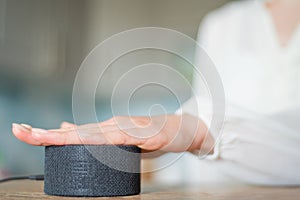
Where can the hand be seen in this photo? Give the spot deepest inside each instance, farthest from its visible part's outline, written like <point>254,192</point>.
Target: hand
<point>169,133</point>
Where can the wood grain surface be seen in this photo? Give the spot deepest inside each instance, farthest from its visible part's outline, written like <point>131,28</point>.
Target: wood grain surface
<point>34,190</point>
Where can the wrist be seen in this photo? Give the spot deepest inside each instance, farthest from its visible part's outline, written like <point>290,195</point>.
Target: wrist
<point>202,140</point>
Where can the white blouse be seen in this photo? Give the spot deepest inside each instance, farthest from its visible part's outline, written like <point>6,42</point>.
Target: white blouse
<point>260,140</point>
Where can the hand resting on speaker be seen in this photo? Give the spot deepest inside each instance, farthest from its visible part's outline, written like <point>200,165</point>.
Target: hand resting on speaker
<point>168,133</point>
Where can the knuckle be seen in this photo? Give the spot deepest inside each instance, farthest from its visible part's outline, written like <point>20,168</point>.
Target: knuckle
<point>140,142</point>
<point>122,140</point>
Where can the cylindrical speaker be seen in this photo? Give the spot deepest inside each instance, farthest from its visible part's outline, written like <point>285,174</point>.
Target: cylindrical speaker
<point>92,170</point>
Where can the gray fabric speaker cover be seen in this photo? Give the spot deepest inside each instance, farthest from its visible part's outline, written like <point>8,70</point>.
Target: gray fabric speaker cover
<point>73,170</point>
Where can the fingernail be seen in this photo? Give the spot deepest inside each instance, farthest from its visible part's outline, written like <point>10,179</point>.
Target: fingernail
<point>39,131</point>
<point>19,127</point>
<point>26,126</point>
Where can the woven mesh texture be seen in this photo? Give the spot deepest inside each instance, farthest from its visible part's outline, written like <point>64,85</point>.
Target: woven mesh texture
<point>73,171</point>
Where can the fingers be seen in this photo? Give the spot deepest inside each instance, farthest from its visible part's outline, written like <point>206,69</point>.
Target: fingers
<point>23,133</point>
<point>41,137</point>
<point>79,135</point>
<point>86,134</point>
<point>57,136</point>
<point>108,132</point>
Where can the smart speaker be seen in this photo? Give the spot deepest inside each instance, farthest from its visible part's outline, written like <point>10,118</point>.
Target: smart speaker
<point>92,170</point>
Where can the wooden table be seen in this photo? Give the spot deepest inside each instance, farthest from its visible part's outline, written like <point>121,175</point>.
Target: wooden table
<point>34,190</point>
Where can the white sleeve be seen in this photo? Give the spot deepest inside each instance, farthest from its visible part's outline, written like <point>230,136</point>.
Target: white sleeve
<point>254,148</point>
<point>251,147</point>
<point>260,149</point>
